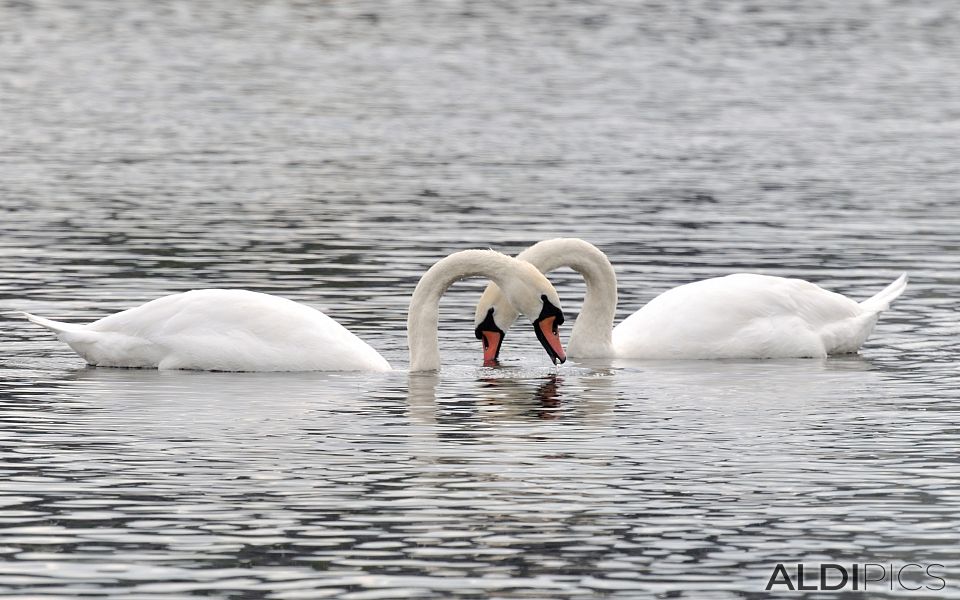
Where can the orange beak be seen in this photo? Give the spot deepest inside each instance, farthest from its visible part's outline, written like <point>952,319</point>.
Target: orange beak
<point>491,336</point>
<point>491,346</point>
<point>546,330</point>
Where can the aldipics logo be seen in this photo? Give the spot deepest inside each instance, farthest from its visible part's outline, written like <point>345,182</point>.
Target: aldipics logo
<point>860,577</point>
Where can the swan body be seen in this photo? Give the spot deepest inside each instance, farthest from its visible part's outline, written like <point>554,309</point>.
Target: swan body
<point>220,330</point>
<point>240,330</point>
<point>737,316</point>
<point>748,316</point>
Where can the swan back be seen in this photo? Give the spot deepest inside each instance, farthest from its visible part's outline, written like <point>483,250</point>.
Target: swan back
<point>221,330</point>
<point>745,316</point>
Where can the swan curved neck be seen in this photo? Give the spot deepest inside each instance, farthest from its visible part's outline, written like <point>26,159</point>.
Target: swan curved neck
<point>593,330</point>
<point>423,315</point>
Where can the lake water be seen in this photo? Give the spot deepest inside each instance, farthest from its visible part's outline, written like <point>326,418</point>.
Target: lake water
<point>331,152</point>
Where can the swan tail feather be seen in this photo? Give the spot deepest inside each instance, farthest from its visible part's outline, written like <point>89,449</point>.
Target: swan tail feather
<point>54,326</point>
<point>881,300</point>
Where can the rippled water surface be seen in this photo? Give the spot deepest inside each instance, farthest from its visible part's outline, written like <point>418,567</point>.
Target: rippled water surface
<point>331,152</point>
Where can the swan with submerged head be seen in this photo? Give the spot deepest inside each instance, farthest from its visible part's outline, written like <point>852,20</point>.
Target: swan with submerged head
<point>240,330</point>
<point>737,316</point>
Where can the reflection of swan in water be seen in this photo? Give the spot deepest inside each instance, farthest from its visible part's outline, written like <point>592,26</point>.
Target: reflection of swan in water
<point>548,394</point>
<point>545,398</point>
<point>656,415</point>
<point>587,396</point>
<point>591,393</point>
<point>240,330</point>
<point>449,424</point>
<point>249,409</point>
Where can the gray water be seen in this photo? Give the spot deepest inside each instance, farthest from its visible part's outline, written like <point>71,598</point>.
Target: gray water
<point>331,152</point>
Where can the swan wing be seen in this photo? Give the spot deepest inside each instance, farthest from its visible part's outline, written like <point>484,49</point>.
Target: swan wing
<point>223,330</point>
<point>744,316</point>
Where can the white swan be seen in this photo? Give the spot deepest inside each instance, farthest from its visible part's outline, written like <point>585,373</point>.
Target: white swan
<point>239,330</point>
<point>737,316</point>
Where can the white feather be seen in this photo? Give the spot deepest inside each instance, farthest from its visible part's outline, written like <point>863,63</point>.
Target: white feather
<point>220,330</point>
<point>737,316</point>
<point>239,330</point>
<point>747,316</point>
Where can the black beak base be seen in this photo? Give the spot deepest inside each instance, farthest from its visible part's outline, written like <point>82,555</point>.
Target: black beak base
<point>549,310</point>
<point>488,324</point>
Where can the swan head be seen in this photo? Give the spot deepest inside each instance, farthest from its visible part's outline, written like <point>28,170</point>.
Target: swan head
<point>531,295</point>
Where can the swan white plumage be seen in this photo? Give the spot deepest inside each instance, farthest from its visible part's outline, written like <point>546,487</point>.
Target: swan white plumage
<point>240,330</point>
<point>737,316</point>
